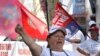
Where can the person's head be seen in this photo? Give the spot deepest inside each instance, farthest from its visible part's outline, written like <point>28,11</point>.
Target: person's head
<point>56,38</point>
<point>92,23</point>
<point>94,32</point>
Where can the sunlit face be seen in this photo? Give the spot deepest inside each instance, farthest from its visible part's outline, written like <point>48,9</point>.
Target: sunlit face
<point>56,41</point>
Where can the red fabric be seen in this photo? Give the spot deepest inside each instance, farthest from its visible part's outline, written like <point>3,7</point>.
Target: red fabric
<point>32,25</point>
<point>61,18</point>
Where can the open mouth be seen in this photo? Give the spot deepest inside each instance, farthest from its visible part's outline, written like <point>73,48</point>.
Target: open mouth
<point>59,42</point>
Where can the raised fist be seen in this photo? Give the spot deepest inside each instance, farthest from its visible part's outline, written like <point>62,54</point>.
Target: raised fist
<point>19,29</point>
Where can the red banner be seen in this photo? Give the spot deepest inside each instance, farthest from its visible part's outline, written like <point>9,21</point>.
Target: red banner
<point>32,25</point>
<point>61,18</point>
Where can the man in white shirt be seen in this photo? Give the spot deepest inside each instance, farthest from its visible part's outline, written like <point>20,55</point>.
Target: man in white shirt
<point>76,38</point>
<point>91,46</point>
<point>92,24</point>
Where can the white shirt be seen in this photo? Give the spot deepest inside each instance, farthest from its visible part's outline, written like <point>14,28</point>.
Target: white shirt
<point>46,52</point>
<point>90,46</point>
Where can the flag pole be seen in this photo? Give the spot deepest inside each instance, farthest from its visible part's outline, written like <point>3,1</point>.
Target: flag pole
<point>47,19</point>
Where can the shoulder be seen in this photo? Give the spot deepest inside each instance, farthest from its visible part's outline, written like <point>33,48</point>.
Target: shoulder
<point>45,51</point>
<point>86,41</point>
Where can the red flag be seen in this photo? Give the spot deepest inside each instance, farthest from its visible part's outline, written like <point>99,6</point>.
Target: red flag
<point>9,18</point>
<point>61,18</point>
<point>32,25</point>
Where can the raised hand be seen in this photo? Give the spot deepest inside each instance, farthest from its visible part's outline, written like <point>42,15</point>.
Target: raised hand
<point>19,29</point>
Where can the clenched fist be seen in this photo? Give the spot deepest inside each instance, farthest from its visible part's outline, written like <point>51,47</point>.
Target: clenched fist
<point>19,29</point>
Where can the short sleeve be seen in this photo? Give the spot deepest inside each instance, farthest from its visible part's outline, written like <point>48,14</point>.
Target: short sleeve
<point>45,51</point>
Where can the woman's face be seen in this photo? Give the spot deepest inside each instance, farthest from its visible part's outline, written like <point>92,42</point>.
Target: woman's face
<point>56,41</point>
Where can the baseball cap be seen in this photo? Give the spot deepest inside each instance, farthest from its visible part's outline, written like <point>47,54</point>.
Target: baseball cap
<point>91,22</point>
<point>54,29</point>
